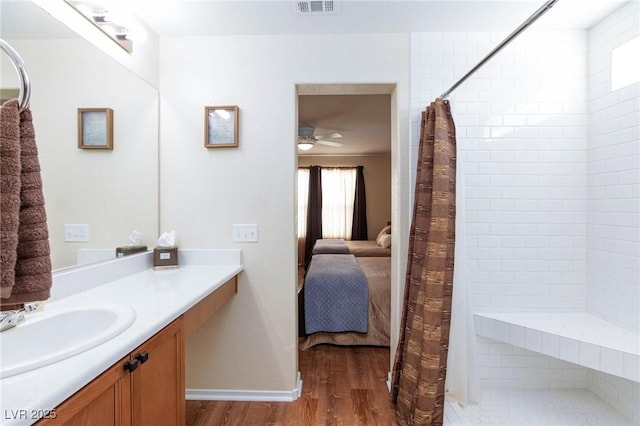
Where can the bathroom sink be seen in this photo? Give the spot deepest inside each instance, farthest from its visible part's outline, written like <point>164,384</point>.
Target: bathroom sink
<point>48,337</point>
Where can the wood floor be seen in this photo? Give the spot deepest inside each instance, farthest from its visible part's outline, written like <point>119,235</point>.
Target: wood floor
<point>341,386</point>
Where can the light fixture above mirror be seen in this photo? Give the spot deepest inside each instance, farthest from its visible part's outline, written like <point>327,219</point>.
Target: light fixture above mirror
<point>109,22</point>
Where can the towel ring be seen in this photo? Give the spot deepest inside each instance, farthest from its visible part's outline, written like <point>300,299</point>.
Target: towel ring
<point>18,63</point>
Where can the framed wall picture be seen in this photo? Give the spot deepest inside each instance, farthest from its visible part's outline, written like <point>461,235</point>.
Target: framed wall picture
<point>220,126</point>
<point>95,128</point>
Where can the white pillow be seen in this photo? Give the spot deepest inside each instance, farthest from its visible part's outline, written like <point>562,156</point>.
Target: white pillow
<point>385,230</point>
<point>385,241</point>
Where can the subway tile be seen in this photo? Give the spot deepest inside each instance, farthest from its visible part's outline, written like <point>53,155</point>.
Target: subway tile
<point>547,148</point>
<point>611,361</point>
<point>569,350</point>
<point>549,344</point>
<point>532,339</point>
<point>589,355</point>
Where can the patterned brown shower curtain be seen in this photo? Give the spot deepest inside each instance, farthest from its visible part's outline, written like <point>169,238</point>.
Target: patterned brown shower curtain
<point>419,372</point>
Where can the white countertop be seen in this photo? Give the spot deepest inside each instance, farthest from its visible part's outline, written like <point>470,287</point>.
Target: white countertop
<point>157,296</point>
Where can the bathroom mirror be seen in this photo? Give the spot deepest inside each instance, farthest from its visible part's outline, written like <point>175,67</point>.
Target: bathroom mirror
<point>112,192</point>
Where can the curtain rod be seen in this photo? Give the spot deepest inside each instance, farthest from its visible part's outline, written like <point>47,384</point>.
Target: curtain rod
<point>538,13</point>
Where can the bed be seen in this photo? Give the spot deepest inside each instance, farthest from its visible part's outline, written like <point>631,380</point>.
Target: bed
<point>380,247</point>
<point>357,248</point>
<point>377,273</point>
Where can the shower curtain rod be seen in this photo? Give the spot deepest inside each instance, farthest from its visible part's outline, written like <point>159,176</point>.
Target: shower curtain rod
<point>18,63</point>
<point>538,13</point>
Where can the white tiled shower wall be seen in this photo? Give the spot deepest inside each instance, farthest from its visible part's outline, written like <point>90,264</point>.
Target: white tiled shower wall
<point>521,124</point>
<point>613,233</point>
<point>551,165</point>
<point>613,213</point>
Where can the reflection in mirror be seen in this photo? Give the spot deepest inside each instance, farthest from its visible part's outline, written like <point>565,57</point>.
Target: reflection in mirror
<point>109,21</point>
<point>111,192</point>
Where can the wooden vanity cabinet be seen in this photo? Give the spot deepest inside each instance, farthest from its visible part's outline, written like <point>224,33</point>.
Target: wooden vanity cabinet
<point>104,401</point>
<point>150,394</point>
<point>157,385</point>
<point>153,391</point>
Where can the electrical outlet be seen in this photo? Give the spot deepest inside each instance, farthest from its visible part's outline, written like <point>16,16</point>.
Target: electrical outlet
<point>76,233</point>
<point>245,233</point>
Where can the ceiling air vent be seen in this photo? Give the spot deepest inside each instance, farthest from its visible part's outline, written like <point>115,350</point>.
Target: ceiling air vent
<point>315,7</point>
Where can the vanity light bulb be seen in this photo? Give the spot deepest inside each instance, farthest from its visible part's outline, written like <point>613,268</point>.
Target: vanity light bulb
<point>110,30</point>
<point>85,10</point>
<point>137,34</point>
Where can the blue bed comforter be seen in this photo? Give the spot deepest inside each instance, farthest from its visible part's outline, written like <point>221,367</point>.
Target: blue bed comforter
<point>330,246</point>
<point>336,295</point>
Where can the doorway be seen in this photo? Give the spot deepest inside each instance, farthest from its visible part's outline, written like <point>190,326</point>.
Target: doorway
<point>357,121</point>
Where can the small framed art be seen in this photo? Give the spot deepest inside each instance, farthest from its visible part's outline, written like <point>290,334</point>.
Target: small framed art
<point>220,126</point>
<point>95,128</point>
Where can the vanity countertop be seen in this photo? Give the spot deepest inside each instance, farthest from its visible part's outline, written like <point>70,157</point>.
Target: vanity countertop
<point>157,296</point>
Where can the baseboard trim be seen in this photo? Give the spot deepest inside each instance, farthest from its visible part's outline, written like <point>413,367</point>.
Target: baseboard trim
<point>246,395</point>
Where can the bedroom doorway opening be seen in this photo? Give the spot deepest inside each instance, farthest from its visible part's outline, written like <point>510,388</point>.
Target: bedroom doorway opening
<point>348,125</point>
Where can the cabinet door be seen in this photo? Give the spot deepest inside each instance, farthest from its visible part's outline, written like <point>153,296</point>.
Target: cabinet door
<point>106,401</point>
<point>158,387</point>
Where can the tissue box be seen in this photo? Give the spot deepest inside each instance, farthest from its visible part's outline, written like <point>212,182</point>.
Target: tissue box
<point>165,256</point>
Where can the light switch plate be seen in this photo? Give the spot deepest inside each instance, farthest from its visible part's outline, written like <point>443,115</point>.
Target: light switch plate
<point>245,233</point>
<point>76,233</point>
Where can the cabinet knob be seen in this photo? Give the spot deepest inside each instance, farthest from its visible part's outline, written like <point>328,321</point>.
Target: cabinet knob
<point>143,357</point>
<point>130,366</point>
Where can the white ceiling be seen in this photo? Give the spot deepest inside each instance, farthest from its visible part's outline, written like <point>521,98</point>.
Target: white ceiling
<point>216,17</point>
<point>364,121</point>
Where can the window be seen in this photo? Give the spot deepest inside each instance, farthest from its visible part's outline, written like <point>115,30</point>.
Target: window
<point>338,194</point>
<point>625,64</point>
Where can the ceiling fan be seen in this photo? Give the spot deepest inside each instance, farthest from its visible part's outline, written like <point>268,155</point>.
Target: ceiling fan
<point>306,138</point>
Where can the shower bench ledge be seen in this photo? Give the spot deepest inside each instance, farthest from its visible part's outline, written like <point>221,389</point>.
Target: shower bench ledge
<point>577,337</point>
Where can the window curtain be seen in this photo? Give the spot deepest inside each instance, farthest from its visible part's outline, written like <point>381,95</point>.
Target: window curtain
<point>419,373</point>
<point>339,187</point>
<point>314,211</point>
<point>303,201</point>
<point>359,227</point>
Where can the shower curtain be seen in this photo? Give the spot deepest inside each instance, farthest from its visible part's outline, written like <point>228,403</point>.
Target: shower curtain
<point>462,383</point>
<point>418,387</point>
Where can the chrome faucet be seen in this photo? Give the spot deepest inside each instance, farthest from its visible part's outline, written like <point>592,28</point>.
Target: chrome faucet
<point>11,318</point>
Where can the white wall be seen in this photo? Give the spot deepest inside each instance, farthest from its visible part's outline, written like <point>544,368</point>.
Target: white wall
<point>252,344</point>
<point>613,239</point>
<point>613,232</point>
<point>522,135</point>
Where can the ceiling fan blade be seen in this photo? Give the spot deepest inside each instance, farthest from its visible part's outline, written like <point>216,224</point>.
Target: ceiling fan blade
<point>329,143</point>
<point>334,135</point>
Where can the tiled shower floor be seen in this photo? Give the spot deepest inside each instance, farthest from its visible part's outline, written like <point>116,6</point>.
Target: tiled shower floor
<point>510,407</point>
